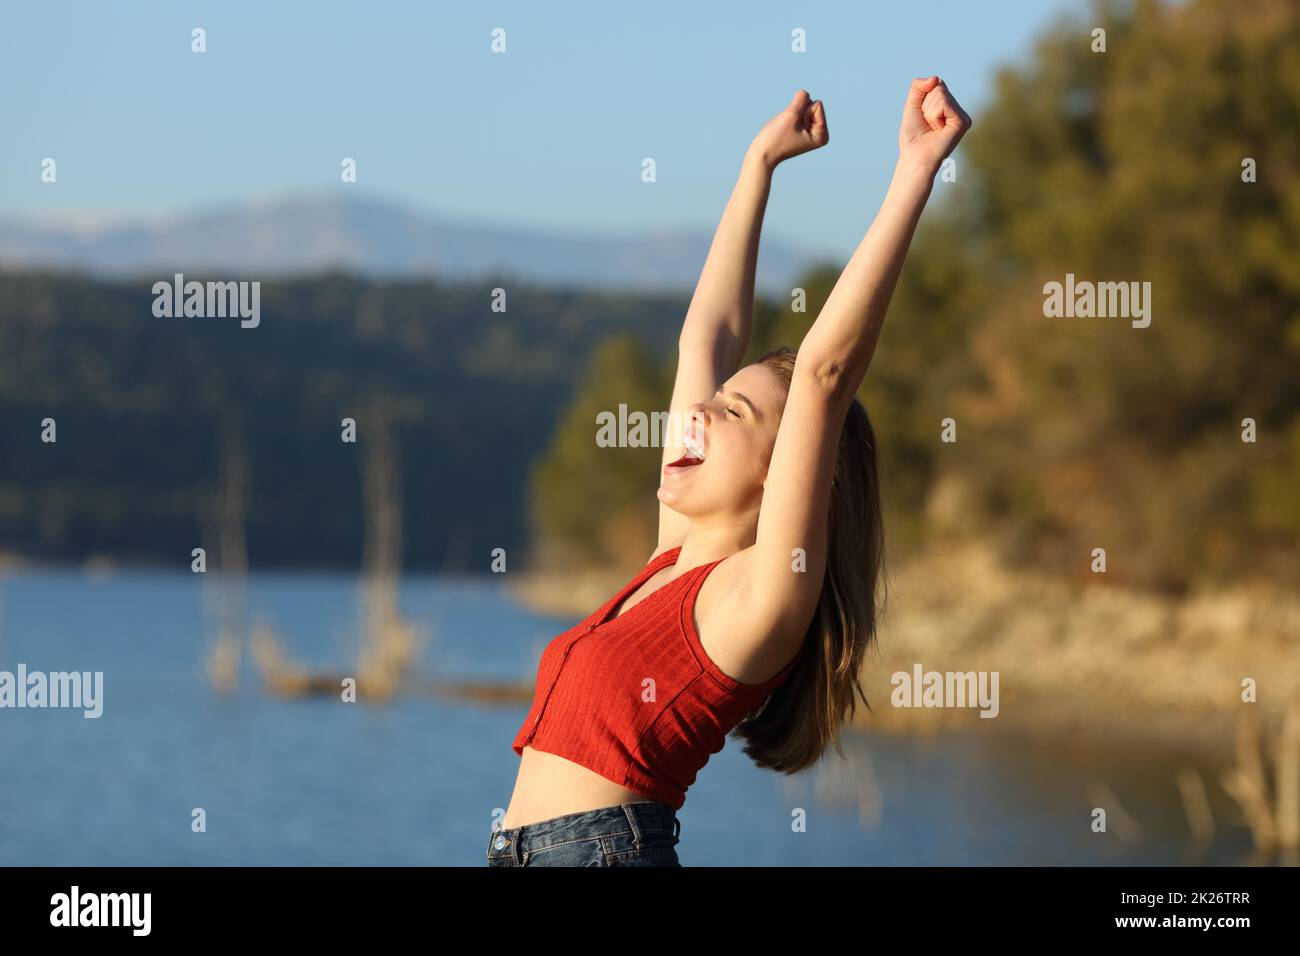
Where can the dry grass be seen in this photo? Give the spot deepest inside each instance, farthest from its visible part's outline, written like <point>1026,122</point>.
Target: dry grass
<point>1269,797</point>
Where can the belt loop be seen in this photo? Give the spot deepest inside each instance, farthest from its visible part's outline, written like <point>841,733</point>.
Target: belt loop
<point>517,846</point>
<point>633,823</point>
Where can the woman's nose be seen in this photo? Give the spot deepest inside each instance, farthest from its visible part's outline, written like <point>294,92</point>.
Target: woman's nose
<point>696,417</point>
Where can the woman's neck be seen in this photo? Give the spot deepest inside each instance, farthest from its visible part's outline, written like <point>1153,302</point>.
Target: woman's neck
<point>709,541</point>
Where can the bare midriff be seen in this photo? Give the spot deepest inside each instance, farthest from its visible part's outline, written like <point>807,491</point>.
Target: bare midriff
<point>548,785</point>
<point>551,786</point>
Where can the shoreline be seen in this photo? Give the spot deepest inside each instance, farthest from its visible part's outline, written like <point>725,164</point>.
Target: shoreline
<point>1092,663</point>
<point>1095,663</point>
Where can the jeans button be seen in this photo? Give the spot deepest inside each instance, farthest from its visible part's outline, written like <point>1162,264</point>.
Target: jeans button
<point>500,842</point>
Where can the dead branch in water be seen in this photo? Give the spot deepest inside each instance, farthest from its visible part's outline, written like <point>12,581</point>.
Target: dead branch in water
<point>1196,804</point>
<point>1125,826</point>
<point>388,643</point>
<point>1273,814</point>
<point>226,601</point>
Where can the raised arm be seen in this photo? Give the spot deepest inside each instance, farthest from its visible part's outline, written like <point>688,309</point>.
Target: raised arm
<point>715,333</point>
<point>831,364</point>
<point>838,348</point>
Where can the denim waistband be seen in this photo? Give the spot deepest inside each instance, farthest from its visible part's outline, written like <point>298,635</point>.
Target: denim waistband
<point>636,817</point>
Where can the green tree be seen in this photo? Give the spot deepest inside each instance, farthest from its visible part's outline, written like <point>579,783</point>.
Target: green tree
<point>1128,165</point>
<point>594,504</point>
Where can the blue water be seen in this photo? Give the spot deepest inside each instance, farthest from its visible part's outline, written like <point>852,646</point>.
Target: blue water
<point>416,782</point>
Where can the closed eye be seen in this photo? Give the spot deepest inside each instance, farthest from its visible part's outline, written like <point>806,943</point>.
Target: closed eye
<point>753,412</point>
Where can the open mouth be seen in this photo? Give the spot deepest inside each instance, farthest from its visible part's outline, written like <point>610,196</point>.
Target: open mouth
<point>686,461</point>
<point>694,452</point>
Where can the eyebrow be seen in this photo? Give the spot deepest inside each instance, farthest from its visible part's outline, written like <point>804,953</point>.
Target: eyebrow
<point>740,398</point>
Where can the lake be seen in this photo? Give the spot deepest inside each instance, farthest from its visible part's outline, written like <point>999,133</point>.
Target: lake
<point>314,781</point>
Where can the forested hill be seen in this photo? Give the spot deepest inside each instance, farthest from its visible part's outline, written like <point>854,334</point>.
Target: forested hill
<point>141,403</point>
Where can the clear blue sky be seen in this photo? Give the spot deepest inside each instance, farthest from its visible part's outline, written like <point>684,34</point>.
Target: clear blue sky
<point>550,135</point>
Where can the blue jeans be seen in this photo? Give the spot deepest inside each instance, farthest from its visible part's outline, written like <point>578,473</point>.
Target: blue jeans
<point>628,834</point>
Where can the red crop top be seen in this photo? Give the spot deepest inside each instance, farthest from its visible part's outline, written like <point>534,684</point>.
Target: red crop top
<point>636,699</point>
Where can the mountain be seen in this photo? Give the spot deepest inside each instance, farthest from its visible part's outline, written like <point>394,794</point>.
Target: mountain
<point>308,234</point>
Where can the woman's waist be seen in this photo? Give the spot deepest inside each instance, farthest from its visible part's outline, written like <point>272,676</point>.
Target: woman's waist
<point>550,786</point>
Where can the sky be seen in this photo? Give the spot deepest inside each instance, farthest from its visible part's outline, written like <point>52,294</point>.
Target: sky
<point>548,135</point>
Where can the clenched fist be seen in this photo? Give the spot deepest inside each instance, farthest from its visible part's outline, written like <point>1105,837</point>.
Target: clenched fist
<point>933,123</point>
<point>798,128</point>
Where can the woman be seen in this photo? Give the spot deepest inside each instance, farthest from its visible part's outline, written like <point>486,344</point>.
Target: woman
<point>756,608</point>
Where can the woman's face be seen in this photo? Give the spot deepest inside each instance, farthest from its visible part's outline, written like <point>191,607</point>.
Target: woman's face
<point>735,431</point>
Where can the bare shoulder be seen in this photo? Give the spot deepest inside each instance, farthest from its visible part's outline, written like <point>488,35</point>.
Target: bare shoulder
<point>739,631</point>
